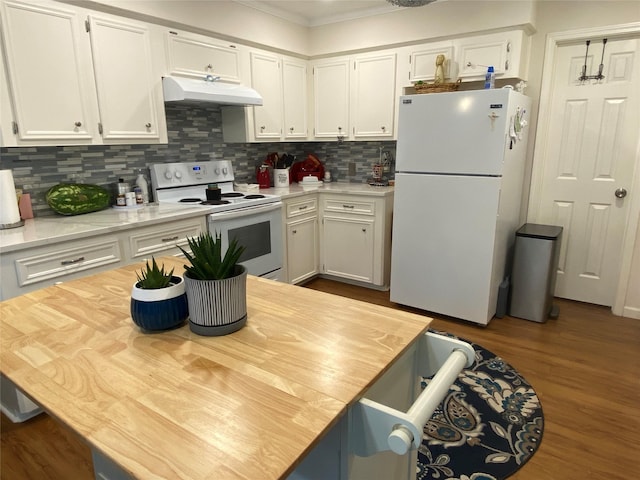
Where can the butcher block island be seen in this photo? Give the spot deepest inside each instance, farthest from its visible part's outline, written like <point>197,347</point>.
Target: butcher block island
<point>277,399</point>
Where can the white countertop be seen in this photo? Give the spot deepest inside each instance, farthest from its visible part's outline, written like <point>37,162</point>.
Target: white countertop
<point>42,230</point>
<point>296,189</point>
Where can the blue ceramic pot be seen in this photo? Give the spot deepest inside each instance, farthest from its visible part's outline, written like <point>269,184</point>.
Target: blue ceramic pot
<point>160,309</point>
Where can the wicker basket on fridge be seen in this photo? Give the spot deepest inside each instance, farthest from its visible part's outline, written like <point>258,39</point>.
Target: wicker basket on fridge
<point>437,87</point>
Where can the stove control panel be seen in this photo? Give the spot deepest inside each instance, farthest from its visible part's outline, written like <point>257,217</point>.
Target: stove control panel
<point>186,174</point>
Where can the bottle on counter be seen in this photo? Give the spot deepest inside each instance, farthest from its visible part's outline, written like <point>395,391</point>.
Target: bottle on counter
<point>123,188</point>
<point>138,192</point>
<point>490,78</point>
<point>141,182</point>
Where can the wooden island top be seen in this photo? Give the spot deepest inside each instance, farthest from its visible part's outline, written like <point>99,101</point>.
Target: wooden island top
<point>249,405</point>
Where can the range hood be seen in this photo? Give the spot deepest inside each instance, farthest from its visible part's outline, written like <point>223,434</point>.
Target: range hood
<point>207,90</point>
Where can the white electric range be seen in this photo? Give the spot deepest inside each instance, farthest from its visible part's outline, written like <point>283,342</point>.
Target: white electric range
<point>255,219</point>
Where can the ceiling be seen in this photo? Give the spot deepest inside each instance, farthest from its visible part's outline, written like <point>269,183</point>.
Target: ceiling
<point>312,13</point>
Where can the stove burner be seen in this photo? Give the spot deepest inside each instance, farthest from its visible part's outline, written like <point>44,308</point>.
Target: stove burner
<point>215,202</point>
<point>251,197</point>
<point>232,194</point>
<point>190,200</point>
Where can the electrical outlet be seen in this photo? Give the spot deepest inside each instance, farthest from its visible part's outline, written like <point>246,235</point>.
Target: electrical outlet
<point>352,169</point>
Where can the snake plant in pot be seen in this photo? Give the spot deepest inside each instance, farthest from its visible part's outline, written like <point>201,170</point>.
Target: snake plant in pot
<point>216,285</point>
<point>158,298</point>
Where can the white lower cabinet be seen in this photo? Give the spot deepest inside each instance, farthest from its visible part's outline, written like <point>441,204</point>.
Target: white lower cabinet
<point>355,238</point>
<point>301,238</point>
<point>348,247</point>
<point>345,237</point>
<point>26,270</point>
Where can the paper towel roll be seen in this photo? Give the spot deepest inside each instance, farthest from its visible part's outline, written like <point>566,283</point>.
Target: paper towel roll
<point>9,213</point>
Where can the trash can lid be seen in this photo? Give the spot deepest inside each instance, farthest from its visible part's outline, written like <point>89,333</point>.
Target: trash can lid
<point>534,230</point>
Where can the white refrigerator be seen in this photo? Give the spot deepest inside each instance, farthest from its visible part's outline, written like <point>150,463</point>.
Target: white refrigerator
<point>460,164</point>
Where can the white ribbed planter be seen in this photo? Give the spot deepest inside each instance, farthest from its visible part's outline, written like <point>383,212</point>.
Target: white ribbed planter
<point>217,307</point>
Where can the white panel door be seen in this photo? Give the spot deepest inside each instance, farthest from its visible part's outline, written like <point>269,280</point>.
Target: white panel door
<point>266,78</point>
<point>374,96</point>
<point>589,155</point>
<point>453,133</point>
<point>331,98</point>
<point>442,254</point>
<point>124,79</point>
<point>197,56</point>
<point>348,247</point>
<point>294,91</point>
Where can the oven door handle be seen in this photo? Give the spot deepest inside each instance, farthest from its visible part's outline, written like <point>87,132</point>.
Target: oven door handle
<point>246,211</point>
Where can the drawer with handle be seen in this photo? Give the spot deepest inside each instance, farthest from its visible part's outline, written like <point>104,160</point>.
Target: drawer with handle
<point>164,239</point>
<point>349,205</point>
<point>303,206</point>
<point>75,257</point>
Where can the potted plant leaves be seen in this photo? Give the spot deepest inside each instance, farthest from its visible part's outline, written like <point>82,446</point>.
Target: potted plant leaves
<point>158,298</point>
<point>216,285</point>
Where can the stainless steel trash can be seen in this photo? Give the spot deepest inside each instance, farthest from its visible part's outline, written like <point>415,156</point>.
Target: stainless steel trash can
<point>533,278</point>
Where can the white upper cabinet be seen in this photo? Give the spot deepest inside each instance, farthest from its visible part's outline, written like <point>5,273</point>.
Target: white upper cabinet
<point>195,56</point>
<point>79,78</point>
<point>294,89</point>
<point>281,81</point>
<point>331,97</point>
<point>125,83</point>
<point>49,72</point>
<point>507,52</point>
<point>266,78</point>
<point>374,96</point>
<point>422,62</point>
<point>355,97</point>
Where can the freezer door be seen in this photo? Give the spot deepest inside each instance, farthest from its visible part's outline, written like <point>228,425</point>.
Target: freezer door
<point>443,246</point>
<point>453,133</point>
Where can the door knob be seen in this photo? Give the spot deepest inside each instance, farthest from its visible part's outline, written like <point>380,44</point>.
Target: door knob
<point>620,192</point>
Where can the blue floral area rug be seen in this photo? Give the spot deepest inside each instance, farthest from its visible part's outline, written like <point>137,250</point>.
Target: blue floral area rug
<point>488,426</point>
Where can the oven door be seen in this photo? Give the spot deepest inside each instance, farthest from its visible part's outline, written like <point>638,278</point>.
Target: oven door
<point>259,229</point>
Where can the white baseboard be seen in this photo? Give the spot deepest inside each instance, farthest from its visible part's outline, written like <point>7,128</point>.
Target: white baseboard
<point>631,312</point>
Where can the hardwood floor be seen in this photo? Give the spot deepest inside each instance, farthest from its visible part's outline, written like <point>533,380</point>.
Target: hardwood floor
<point>585,367</point>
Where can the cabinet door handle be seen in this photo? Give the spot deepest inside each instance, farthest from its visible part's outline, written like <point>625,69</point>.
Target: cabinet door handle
<point>303,207</point>
<point>71,262</point>
<point>291,129</point>
<point>172,239</point>
<point>348,206</point>
<point>383,128</point>
<point>148,125</point>
<point>78,124</point>
<point>209,67</point>
<point>364,230</point>
<point>294,231</point>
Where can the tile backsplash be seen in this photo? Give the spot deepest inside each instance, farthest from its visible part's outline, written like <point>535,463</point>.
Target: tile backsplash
<point>195,134</point>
